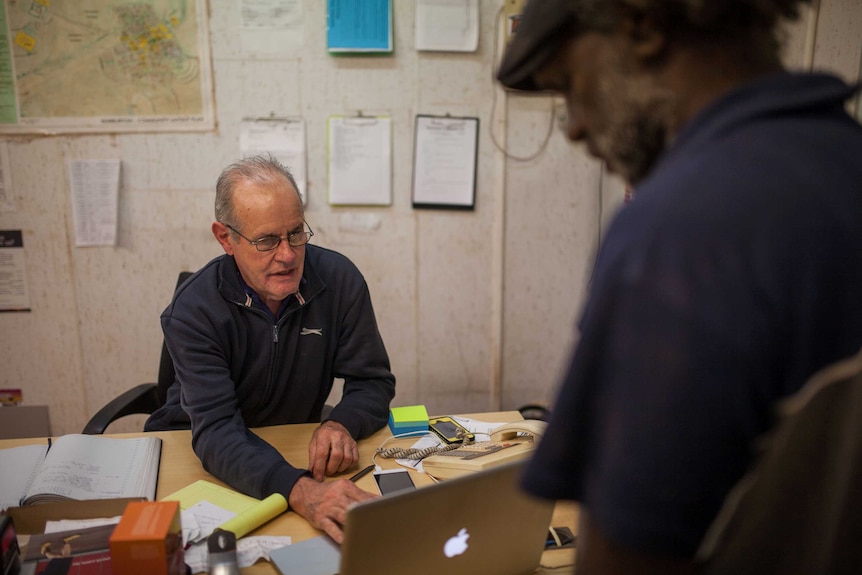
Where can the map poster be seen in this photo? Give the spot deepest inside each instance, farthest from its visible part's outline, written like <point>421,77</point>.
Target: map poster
<point>70,66</point>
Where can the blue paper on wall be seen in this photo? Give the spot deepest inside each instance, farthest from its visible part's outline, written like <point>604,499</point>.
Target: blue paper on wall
<point>353,26</point>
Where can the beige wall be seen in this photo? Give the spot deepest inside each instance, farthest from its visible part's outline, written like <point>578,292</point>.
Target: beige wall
<point>477,308</point>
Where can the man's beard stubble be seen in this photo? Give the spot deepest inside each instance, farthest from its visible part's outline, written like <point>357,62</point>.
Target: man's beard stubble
<point>635,122</point>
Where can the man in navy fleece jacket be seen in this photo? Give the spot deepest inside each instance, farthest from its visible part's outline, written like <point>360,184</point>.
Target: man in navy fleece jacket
<point>257,337</point>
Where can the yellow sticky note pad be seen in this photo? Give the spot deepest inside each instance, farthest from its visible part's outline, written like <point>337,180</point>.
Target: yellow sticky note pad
<point>410,414</point>
<point>408,419</point>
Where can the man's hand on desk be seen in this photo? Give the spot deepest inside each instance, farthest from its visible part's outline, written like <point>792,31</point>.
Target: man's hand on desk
<point>325,505</point>
<point>332,450</point>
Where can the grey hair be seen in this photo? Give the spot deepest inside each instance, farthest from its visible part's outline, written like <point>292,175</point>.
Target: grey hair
<point>263,170</point>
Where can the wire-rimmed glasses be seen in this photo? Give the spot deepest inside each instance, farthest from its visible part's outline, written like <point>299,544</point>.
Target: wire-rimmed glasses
<point>269,243</point>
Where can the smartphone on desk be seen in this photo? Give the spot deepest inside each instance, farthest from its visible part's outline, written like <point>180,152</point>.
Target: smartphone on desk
<point>391,481</point>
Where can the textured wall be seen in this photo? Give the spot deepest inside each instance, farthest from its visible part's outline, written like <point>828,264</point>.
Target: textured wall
<point>477,308</point>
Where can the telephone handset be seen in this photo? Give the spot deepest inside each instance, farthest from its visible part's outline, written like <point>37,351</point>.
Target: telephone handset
<point>534,428</point>
<point>509,442</point>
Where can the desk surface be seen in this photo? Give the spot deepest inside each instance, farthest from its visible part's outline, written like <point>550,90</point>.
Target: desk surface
<point>180,467</point>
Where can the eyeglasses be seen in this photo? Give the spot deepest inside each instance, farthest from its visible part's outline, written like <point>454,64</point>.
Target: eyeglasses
<point>269,243</point>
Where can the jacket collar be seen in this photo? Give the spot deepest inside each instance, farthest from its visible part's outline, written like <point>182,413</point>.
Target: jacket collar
<point>232,287</point>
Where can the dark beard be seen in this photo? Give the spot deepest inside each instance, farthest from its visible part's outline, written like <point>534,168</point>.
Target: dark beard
<point>637,123</point>
<point>634,162</point>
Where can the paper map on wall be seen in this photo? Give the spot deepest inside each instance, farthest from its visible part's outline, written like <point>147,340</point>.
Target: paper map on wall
<point>104,66</point>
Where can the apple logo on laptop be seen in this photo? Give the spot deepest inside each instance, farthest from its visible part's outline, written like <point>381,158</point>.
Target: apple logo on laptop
<point>456,545</point>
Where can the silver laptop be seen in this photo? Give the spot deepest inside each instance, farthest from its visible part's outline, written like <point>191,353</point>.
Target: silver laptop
<point>470,525</point>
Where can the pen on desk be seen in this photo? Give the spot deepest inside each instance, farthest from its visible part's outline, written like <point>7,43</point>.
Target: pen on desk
<point>360,474</point>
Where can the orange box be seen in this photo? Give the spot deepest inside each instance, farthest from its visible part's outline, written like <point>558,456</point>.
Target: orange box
<point>148,540</point>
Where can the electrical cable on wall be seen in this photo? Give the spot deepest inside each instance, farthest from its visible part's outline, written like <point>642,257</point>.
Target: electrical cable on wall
<point>551,120</point>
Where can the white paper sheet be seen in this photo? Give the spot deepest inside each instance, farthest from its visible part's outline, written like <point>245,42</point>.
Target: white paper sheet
<point>6,202</point>
<point>14,294</point>
<point>447,25</point>
<point>360,160</point>
<point>95,186</point>
<point>271,27</point>
<point>248,551</point>
<point>444,170</point>
<point>284,138</point>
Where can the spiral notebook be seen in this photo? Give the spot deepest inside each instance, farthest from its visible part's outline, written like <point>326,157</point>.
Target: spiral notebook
<point>477,523</point>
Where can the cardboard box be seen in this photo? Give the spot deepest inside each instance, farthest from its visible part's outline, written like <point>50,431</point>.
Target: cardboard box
<point>148,540</point>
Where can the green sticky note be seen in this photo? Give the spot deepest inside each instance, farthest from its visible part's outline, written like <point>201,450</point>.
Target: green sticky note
<point>409,414</point>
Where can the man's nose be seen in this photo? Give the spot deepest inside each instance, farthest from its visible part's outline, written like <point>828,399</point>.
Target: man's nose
<point>574,129</point>
<point>567,121</point>
<point>285,252</point>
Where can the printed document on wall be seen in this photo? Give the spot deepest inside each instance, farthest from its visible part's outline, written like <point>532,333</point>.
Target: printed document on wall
<point>284,138</point>
<point>13,275</point>
<point>445,155</point>
<point>360,160</point>
<point>95,201</point>
<point>271,27</point>
<point>447,25</point>
<point>6,203</point>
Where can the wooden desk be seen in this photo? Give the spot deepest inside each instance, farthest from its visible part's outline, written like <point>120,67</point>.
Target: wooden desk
<point>180,467</point>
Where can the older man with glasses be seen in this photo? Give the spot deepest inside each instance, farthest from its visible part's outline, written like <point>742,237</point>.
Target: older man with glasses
<point>257,337</point>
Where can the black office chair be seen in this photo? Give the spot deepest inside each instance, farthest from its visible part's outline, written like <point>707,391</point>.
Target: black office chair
<point>535,411</point>
<point>144,398</point>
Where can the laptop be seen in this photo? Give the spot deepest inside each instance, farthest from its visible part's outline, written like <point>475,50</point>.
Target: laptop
<point>472,524</point>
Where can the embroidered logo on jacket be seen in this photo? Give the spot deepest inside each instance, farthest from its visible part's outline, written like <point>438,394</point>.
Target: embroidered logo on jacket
<point>311,331</point>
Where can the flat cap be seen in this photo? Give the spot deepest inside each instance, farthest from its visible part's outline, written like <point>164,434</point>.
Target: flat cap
<point>541,30</point>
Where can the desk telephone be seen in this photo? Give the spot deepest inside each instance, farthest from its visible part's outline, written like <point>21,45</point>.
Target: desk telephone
<point>508,442</point>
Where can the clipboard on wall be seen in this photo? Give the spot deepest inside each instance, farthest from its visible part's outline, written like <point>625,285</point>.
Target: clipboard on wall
<point>445,155</point>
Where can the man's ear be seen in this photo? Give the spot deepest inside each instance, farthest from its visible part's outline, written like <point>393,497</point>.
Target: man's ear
<point>648,39</point>
<point>222,234</point>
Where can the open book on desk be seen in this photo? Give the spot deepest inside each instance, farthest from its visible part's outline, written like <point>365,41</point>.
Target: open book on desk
<point>80,467</point>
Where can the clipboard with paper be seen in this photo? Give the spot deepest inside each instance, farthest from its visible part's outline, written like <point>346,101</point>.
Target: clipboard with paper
<point>444,162</point>
<point>359,158</point>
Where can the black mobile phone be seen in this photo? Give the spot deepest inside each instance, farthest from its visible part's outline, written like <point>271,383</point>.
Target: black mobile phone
<point>391,481</point>
<point>449,430</point>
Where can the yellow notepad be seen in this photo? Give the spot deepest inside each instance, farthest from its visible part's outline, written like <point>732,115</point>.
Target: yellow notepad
<point>250,513</point>
<point>203,490</point>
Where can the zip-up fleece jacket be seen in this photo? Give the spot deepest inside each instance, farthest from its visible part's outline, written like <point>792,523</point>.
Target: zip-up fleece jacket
<point>235,369</point>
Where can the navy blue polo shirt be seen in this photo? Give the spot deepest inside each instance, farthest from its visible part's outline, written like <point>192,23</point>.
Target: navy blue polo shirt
<point>734,275</point>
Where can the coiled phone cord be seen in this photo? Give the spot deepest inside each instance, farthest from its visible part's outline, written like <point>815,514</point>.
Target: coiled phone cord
<point>414,454</point>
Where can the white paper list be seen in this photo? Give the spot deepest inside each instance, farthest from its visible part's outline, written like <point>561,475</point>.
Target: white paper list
<point>95,188</point>
<point>360,161</point>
